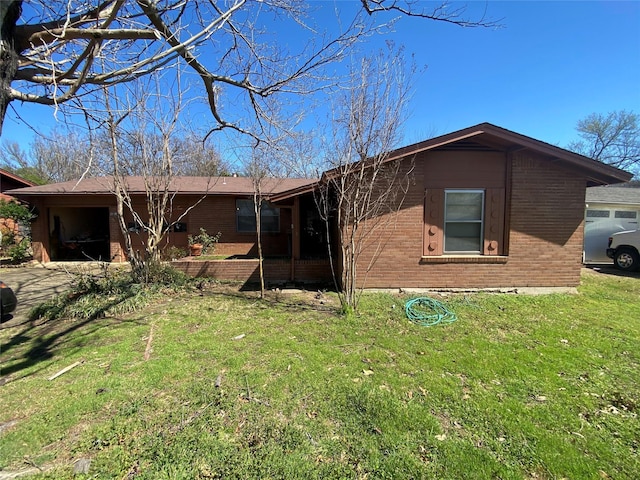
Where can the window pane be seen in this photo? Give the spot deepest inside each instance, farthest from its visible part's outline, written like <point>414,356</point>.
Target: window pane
<point>625,214</point>
<point>180,227</point>
<point>246,217</point>
<point>463,206</point>
<point>597,213</point>
<point>269,211</point>
<point>244,207</point>
<point>462,237</point>
<point>246,224</point>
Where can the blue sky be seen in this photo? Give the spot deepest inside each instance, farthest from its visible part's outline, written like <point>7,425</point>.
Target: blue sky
<point>551,64</point>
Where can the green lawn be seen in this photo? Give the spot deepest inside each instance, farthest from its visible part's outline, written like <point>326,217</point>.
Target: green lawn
<point>530,387</point>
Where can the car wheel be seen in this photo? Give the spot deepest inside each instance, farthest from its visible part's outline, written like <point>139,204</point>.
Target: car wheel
<point>627,260</point>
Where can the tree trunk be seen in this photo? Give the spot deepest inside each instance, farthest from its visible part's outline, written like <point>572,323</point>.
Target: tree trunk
<point>257,206</point>
<point>9,13</point>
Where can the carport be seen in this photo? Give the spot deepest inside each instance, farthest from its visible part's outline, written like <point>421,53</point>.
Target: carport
<point>78,233</point>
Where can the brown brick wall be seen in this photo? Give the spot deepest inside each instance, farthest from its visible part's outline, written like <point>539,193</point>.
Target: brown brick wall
<point>218,214</point>
<point>276,271</point>
<point>544,243</point>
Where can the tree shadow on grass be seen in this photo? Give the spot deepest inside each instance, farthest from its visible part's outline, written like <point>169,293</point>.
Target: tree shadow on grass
<point>47,333</point>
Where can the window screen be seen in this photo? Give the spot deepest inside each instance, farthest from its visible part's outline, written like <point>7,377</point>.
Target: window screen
<point>246,217</point>
<point>463,219</point>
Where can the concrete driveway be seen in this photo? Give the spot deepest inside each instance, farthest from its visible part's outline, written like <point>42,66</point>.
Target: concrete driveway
<point>35,283</point>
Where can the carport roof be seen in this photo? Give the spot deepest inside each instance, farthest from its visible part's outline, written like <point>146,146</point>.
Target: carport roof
<point>184,185</point>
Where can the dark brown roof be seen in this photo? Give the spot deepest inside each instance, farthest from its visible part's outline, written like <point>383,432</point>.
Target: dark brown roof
<point>484,134</point>
<point>185,185</point>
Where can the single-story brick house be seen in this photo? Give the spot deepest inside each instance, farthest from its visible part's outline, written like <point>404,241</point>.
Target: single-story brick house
<point>486,208</point>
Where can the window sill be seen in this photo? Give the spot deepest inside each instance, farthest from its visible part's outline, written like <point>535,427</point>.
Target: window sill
<point>492,259</point>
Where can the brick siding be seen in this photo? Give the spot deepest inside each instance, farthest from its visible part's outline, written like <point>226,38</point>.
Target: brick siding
<point>276,271</point>
<point>544,244</point>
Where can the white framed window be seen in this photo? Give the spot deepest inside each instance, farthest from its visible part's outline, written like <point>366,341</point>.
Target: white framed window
<point>463,221</point>
<point>246,217</point>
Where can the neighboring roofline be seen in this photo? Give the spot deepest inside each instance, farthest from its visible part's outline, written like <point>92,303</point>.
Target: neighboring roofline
<point>613,195</point>
<point>17,178</point>
<point>610,202</point>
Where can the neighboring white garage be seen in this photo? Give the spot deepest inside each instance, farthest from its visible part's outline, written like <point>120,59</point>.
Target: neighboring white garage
<point>609,209</point>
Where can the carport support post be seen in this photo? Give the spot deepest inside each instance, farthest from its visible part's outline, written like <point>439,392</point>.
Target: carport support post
<point>295,236</point>
<point>40,241</point>
<point>115,244</point>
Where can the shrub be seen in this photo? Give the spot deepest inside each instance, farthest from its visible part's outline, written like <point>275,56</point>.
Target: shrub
<point>110,293</point>
<point>207,241</point>
<point>20,251</point>
<point>17,247</point>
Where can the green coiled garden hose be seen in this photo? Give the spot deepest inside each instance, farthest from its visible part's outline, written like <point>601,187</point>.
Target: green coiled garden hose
<point>426,312</point>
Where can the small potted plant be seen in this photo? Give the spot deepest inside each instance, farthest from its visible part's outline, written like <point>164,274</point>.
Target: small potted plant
<point>195,247</point>
<point>202,243</point>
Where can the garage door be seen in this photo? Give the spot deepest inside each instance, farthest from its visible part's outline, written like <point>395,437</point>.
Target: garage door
<point>598,227</point>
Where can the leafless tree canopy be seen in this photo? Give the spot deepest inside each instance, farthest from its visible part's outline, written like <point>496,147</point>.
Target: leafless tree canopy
<point>63,155</point>
<point>613,138</point>
<point>57,52</point>
<point>140,132</point>
<point>57,157</point>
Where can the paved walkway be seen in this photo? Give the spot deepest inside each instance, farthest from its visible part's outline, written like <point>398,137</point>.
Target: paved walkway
<point>35,283</point>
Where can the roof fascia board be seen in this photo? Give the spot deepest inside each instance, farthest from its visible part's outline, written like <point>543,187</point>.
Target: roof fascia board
<point>294,192</point>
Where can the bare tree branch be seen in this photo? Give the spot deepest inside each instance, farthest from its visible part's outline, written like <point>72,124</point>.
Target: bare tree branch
<point>65,52</point>
<point>613,138</point>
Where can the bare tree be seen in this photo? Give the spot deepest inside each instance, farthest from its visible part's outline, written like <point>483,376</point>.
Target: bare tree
<point>190,154</point>
<point>148,120</point>
<point>58,156</point>
<point>265,169</point>
<point>258,172</point>
<point>58,53</point>
<point>613,138</point>
<point>198,157</point>
<point>12,155</point>
<point>62,155</point>
<point>359,196</point>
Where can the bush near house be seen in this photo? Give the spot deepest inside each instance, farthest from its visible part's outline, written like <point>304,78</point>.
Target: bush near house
<point>15,240</point>
<point>213,383</point>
